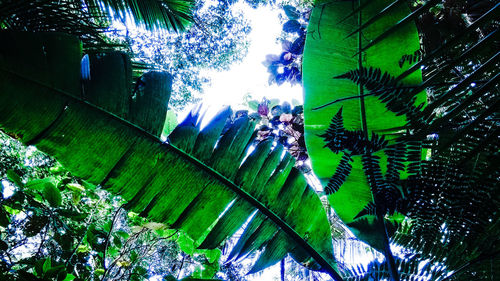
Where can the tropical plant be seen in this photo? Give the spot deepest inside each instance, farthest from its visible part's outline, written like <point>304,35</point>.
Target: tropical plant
<point>285,125</point>
<point>56,227</point>
<point>395,154</point>
<point>288,65</point>
<point>202,182</point>
<point>81,16</point>
<point>218,39</point>
<point>93,21</point>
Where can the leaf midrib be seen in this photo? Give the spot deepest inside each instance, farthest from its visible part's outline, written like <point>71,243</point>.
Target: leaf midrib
<point>228,183</point>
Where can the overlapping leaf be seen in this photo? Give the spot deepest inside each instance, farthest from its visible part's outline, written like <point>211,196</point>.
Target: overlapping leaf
<point>335,72</point>
<point>205,182</point>
<point>456,132</point>
<point>82,16</point>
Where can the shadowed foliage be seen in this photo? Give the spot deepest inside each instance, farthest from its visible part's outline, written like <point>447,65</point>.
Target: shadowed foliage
<point>206,182</point>
<point>437,168</point>
<point>81,16</point>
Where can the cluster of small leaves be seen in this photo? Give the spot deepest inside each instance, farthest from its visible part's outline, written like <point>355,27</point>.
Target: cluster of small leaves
<point>217,39</point>
<point>288,65</point>
<point>285,125</point>
<point>44,229</point>
<point>56,227</point>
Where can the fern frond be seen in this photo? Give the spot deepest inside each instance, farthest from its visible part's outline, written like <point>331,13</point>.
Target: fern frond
<point>387,196</point>
<point>396,97</point>
<point>370,209</point>
<point>335,134</point>
<point>338,139</point>
<point>413,156</point>
<point>371,166</point>
<point>341,173</point>
<point>410,58</point>
<point>396,156</point>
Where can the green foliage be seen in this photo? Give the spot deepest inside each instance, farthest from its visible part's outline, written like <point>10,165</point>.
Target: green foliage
<point>52,195</point>
<point>71,240</point>
<point>106,150</point>
<point>218,39</point>
<point>439,164</point>
<point>84,17</point>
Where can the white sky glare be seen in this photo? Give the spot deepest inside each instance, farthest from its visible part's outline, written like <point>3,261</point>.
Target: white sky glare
<point>250,76</point>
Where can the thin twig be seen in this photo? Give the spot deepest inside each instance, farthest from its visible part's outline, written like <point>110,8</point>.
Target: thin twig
<point>391,89</point>
<point>108,235</point>
<point>182,264</point>
<point>81,240</point>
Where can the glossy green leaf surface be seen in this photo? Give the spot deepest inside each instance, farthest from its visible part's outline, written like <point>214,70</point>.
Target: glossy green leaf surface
<point>329,52</point>
<point>207,183</point>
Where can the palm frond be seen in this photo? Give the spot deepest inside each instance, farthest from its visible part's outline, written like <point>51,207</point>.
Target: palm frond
<point>87,17</point>
<point>66,16</point>
<point>410,269</point>
<point>172,15</point>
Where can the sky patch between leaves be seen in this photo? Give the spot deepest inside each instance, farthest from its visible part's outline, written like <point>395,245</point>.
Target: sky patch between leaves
<point>248,79</point>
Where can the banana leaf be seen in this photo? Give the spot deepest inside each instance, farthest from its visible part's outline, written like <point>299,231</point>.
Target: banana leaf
<point>206,182</point>
<point>331,52</point>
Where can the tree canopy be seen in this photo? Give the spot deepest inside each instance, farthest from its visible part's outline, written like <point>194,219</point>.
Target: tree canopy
<point>216,40</point>
<point>400,122</point>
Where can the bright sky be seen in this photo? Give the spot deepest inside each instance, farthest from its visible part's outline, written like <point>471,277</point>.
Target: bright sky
<point>250,75</point>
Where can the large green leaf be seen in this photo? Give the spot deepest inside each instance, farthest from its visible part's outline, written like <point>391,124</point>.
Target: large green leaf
<point>206,182</point>
<point>330,52</point>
